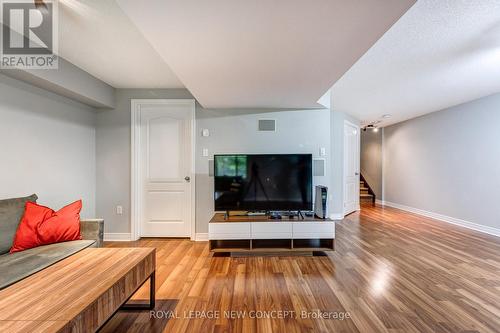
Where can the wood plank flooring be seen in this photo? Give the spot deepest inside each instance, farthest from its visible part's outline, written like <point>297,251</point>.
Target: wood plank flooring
<point>392,271</point>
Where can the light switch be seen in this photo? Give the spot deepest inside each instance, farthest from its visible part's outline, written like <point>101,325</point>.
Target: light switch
<point>205,132</point>
<point>119,210</point>
<point>322,151</point>
<point>205,152</point>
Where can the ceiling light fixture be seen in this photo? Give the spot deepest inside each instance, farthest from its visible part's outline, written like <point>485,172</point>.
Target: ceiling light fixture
<point>373,125</point>
<point>40,5</point>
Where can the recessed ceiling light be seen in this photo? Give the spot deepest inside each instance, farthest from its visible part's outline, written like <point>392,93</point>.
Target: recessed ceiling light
<point>387,116</point>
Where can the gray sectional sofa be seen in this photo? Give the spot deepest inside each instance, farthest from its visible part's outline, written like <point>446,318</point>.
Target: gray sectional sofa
<point>17,266</point>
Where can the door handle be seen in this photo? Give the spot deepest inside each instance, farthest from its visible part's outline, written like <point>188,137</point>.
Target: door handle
<point>356,174</point>
<point>187,178</point>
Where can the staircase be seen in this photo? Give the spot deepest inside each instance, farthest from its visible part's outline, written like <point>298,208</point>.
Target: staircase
<point>365,193</point>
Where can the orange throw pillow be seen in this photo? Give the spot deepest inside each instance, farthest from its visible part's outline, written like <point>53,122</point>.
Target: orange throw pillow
<point>26,235</point>
<point>41,225</point>
<point>62,226</point>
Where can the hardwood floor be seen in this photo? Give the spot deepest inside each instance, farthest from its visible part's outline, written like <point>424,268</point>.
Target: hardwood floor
<point>392,271</point>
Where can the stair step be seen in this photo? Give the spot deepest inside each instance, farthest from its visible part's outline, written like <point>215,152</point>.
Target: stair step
<point>364,195</point>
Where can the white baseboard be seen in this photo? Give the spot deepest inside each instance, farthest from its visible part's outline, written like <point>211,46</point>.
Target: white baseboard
<point>126,237</point>
<point>201,237</point>
<point>117,237</point>
<point>448,219</point>
<point>337,217</point>
<point>379,202</point>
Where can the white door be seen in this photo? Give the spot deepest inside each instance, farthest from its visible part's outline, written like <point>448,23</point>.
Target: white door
<point>351,167</point>
<point>166,168</point>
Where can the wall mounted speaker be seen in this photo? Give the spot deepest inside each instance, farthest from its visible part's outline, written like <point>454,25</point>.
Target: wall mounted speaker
<point>267,125</point>
<point>318,167</point>
<point>211,168</point>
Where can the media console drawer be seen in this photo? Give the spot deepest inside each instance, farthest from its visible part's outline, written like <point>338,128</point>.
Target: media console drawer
<point>271,230</point>
<point>313,229</point>
<point>241,230</point>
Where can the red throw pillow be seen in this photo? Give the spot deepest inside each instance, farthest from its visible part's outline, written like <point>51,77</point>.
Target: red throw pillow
<point>26,235</point>
<point>62,226</point>
<point>41,226</point>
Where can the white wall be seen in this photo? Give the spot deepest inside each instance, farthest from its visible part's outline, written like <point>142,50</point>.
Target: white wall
<point>296,132</point>
<point>336,189</point>
<point>232,131</point>
<point>47,146</point>
<point>113,156</point>
<point>447,162</point>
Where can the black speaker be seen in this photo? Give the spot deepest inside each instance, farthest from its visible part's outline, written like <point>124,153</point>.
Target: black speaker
<point>320,202</point>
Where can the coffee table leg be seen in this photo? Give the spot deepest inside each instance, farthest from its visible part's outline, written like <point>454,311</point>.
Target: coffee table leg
<point>152,291</point>
<point>151,304</point>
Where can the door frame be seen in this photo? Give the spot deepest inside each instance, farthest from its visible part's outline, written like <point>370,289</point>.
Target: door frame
<point>358,148</point>
<point>136,199</point>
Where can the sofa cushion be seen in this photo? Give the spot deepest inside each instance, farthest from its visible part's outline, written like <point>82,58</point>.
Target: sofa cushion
<point>17,266</point>
<point>11,211</point>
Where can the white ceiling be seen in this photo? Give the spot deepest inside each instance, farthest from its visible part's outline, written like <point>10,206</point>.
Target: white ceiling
<point>439,54</point>
<point>98,37</point>
<point>251,54</point>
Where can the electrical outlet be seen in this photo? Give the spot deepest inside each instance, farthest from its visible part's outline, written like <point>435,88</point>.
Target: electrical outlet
<point>119,210</point>
<point>205,152</point>
<point>322,151</point>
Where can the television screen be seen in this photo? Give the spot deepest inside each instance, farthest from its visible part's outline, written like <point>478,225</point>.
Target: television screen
<point>263,182</point>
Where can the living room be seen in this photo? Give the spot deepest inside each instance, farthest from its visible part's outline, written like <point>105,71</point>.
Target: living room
<point>241,167</point>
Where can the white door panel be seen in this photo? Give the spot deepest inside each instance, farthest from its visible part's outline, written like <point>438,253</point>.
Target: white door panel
<point>164,139</point>
<point>166,160</point>
<point>165,206</point>
<point>351,167</point>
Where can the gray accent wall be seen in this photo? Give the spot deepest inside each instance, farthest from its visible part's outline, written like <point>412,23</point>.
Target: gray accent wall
<point>447,162</point>
<point>47,146</point>
<point>231,131</point>
<point>371,159</point>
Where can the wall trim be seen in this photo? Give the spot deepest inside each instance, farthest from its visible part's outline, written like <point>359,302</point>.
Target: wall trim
<point>357,167</point>
<point>201,237</point>
<point>117,237</point>
<point>136,197</point>
<point>448,219</point>
<point>337,217</point>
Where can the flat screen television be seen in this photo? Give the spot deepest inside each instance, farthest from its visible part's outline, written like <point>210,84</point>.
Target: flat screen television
<point>270,182</point>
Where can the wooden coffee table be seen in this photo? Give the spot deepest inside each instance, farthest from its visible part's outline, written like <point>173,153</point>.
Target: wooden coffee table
<point>79,293</point>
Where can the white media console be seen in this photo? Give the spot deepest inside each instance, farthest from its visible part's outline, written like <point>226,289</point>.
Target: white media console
<point>262,234</point>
